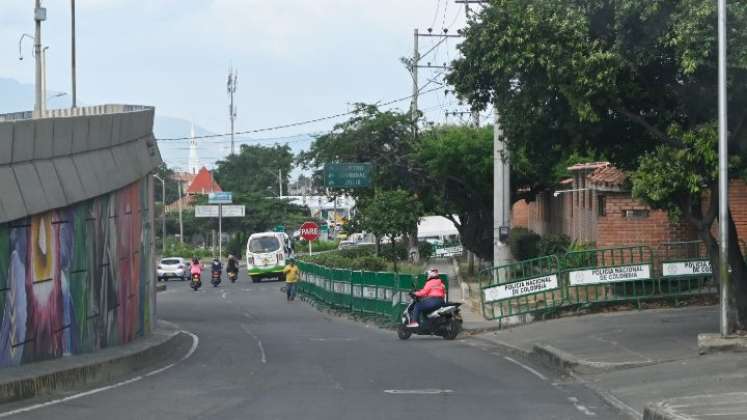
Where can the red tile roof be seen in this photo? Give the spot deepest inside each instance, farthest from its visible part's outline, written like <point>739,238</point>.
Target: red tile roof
<point>203,183</point>
<point>591,165</point>
<point>608,175</point>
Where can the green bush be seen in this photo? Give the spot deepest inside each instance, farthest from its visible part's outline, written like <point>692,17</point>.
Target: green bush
<point>524,243</point>
<point>369,263</point>
<point>177,249</point>
<point>316,246</point>
<point>554,244</point>
<point>396,252</point>
<point>425,250</point>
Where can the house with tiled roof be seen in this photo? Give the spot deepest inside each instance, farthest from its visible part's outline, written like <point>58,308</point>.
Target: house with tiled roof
<point>595,205</point>
<point>199,184</point>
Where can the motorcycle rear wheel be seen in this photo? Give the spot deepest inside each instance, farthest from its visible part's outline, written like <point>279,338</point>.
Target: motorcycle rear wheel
<point>452,329</point>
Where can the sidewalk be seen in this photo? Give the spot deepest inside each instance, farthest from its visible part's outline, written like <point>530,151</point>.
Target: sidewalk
<point>473,322</point>
<point>639,361</point>
<point>165,344</point>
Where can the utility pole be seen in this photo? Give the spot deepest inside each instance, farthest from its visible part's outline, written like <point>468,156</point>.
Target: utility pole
<point>414,71</point>
<point>280,182</point>
<point>40,15</point>
<point>72,53</point>
<point>726,316</point>
<point>181,225</point>
<point>501,196</point>
<point>44,77</point>
<point>163,214</point>
<point>233,78</point>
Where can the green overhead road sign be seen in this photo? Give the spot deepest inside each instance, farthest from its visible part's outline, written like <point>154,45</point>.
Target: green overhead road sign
<point>347,175</point>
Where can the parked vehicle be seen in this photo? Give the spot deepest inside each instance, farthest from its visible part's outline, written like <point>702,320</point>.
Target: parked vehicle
<point>172,268</point>
<point>445,321</point>
<point>265,255</point>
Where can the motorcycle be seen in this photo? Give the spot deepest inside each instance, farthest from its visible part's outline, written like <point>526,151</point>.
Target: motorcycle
<point>196,282</point>
<point>215,279</point>
<point>445,321</point>
<point>232,275</point>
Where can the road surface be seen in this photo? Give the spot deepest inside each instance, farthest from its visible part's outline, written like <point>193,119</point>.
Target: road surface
<point>262,358</point>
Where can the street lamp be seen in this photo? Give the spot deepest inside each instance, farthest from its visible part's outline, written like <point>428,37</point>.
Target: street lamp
<point>723,179</point>
<point>163,214</point>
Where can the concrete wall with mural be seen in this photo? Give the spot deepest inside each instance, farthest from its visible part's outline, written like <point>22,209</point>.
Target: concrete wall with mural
<point>78,275</point>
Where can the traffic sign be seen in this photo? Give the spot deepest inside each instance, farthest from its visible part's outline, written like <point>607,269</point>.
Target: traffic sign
<point>214,211</point>
<point>310,231</point>
<point>220,198</point>
<point>279,228</point>
<point>347,175</point>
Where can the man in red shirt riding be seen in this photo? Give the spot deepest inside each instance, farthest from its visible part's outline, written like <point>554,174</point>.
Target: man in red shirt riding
<point>431,297</point>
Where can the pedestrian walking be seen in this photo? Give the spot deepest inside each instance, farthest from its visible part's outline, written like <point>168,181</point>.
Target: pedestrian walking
<point>291,274</point>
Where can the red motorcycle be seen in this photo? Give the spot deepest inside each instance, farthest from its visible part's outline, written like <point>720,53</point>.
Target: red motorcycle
<point>196,282</point>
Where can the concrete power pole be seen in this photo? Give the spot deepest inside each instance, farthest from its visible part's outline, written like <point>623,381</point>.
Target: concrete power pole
<point>233,78</point>
<point>501,196</point>
<point>40,15</point>
<point>415,90</point>
<point>181,224</point>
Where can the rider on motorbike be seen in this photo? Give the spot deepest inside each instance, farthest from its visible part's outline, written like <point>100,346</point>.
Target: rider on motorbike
<point>233,265</point>
<point>217,267</point>
<point>431,297</point>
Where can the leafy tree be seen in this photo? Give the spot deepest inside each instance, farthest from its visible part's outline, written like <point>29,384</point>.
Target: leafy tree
<point>632,80</point>
<point>390,213</point>
<point>255,169</point>
<point>172,186</point>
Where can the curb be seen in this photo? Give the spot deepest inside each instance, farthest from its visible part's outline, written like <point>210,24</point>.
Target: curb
<point>42,378</point>
<point>568,365</point>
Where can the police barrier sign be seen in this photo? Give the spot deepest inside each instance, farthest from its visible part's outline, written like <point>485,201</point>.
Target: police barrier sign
<point>610,274</point>
<point>686,268</point>
<point>520,288</point>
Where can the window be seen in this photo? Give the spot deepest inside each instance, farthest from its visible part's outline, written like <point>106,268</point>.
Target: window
<point>601,205</point>
<point>635,214</point>
<point>264,244</point>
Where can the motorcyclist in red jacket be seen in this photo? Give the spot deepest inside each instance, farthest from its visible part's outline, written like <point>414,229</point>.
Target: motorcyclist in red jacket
<point>431,297</point>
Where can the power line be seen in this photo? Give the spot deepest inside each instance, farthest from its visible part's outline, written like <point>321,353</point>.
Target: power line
<point>296,124</point>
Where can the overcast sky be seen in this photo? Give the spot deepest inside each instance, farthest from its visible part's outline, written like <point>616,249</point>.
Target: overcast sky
<point>297,59</point>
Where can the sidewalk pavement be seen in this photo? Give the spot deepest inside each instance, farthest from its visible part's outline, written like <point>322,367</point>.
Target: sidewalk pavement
<point>165,344</point>
<point>646,363</point>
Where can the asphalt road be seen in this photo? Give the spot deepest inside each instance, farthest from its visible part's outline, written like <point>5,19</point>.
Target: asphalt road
<point>262,358</point>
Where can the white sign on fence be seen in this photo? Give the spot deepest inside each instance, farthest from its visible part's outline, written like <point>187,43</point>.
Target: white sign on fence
<point>213,211</point>
<point>686,268</point>
<point>521,288</point>
<point>448,251</point>
<point>610,274</point>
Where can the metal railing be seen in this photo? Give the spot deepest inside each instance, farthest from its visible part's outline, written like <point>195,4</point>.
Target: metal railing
<point>74,112</point>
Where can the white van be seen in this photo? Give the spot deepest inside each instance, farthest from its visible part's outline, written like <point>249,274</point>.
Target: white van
<point>265,255</point>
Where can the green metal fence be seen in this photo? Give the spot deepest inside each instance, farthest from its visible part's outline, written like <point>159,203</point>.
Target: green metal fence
<point>597,276</point>
<point>381,294</point>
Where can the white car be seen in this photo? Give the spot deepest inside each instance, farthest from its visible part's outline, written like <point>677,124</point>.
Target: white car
<point>173,268</point>
<point>265,255</point>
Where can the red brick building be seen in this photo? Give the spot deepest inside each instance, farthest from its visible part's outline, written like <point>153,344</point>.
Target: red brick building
<point>595,205</point>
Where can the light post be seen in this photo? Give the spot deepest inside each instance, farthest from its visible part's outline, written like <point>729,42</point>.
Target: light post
<point>723,175</point>
<point>163,214</point>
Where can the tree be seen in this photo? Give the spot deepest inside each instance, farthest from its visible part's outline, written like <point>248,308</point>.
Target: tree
<point>631,80</point>
<point>390,214</point>
<point>255,169</point>
<point>172,186</point>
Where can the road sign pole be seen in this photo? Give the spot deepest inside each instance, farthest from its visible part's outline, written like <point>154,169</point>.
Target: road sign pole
<point>310,248</point>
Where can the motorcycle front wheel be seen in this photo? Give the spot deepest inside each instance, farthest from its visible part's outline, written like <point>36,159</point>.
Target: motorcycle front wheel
<point>403,333</point>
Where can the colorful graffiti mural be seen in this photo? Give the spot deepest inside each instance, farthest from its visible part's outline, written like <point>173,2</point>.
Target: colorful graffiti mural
<point>75,280</point>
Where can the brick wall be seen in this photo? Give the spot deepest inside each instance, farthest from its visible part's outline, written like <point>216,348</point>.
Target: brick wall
<point>618,229</point>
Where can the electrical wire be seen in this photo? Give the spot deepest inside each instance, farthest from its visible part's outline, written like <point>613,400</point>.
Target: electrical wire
<point>299,123</point>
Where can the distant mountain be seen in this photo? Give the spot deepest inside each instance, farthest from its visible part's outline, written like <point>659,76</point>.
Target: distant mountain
<point>16,96</point>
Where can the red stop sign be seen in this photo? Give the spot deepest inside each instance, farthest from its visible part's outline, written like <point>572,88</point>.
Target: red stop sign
<point>310,231</point>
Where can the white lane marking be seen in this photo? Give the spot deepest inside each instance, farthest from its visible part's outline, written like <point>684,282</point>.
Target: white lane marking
<point>527,368</point>
<point>195,343</point>
<point>263,357</point>
<point>418,391</point>
<point>223,294</point>
<point>580,407</point>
